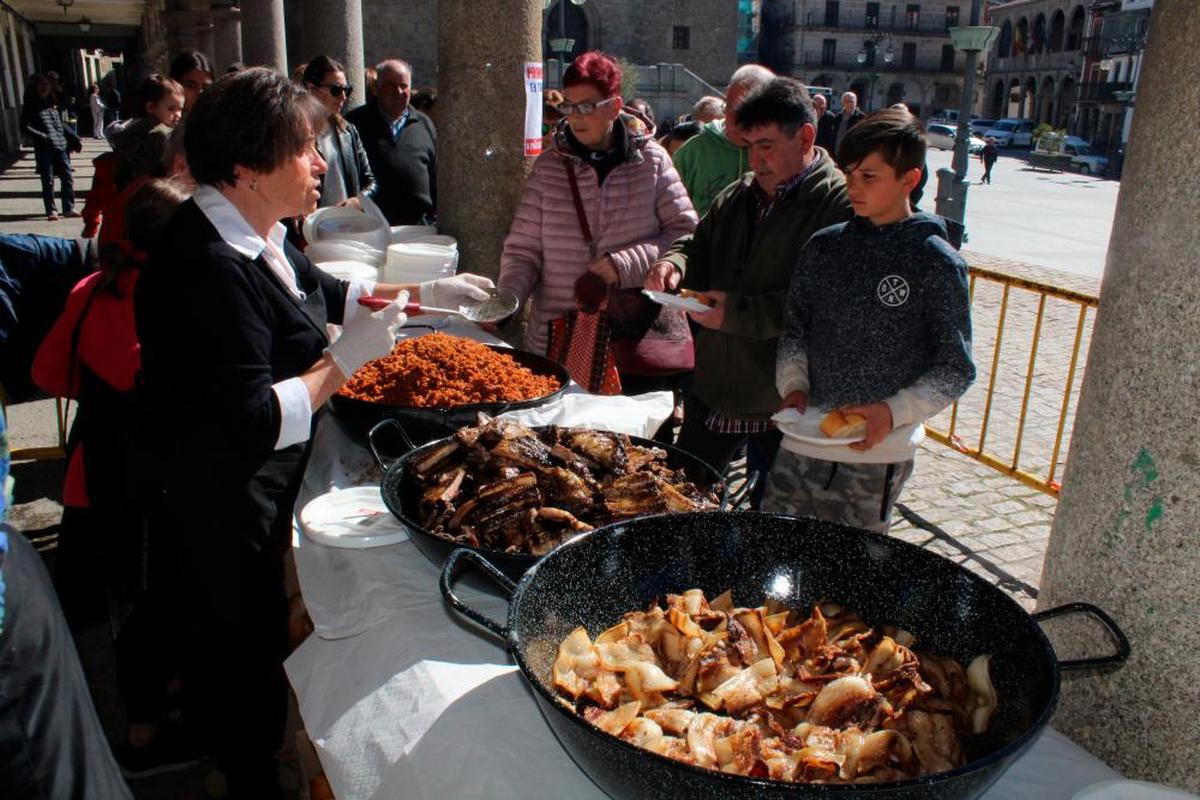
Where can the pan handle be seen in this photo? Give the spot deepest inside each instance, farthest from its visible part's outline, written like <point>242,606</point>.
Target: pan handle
<point>450,571</point>
<point>388,422</point>
<point>732,501</point>
<point>1123,649</point>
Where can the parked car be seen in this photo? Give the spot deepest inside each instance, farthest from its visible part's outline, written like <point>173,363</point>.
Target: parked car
<point>980,127</point>
<point>942,137</point>
<point>1012,133</point>
<point>1083,158</point>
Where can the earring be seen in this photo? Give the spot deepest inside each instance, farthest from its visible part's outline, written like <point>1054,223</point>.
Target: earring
<point>254,185</point>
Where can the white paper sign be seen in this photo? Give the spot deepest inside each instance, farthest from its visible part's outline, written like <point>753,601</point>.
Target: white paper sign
<point>533,108</point>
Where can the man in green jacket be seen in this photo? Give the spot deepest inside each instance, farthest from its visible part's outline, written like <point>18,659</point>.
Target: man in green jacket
<point>716,157</point>
<point>741,256</point>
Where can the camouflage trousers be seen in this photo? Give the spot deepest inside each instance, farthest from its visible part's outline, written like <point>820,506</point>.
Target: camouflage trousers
<point>858,495</point>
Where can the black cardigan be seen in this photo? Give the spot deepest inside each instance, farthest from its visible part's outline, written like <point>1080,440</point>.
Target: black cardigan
<point>216,331</point>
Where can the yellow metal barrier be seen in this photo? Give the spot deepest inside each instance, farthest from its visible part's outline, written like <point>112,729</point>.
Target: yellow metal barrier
<point>1012,465</point>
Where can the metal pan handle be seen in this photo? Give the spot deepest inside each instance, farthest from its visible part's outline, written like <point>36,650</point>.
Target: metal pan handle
<point>1123,649</point>
<point>732,501</point>
<point>450,571</point>
<point>388,422</point>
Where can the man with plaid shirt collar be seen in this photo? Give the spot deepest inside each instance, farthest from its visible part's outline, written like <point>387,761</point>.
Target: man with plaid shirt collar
<point>741,257</point>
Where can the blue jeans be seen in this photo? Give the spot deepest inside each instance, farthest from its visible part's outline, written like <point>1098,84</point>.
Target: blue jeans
<point>50,162</point>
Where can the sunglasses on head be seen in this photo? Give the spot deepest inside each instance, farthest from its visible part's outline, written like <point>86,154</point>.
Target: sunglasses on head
<point>337,90</point>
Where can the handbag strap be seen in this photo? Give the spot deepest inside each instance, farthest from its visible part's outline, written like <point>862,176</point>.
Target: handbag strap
<point>579,212</point>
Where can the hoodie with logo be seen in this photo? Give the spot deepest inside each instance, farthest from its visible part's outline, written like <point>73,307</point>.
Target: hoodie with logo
<point>878,314</point>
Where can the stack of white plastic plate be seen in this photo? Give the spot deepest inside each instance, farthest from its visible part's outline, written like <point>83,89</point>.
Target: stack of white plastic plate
<point>353,518</point>
<point>330,250</point>
<point>342,224</point>
<point>402,233</point>
<point>347,270</point>
<point>417,262</point>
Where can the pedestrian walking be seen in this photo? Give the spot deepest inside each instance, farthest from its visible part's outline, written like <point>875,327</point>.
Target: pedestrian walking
<point>53,142</point>
<point>988,156</point>
<point>97,106</point>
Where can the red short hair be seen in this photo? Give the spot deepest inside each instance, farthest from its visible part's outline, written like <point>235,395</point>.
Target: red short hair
<point>596,69</point>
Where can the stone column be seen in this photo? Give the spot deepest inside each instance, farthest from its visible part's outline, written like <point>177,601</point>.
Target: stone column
<point>482,50</point>
<point>228,39</point>
<point>263,40</point>
<point>205,38</point>
<point>1125,534</point>
<point>334,28</point>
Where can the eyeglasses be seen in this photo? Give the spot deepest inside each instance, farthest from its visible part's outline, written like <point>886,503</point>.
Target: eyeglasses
<point>337,90</point>
<point>582,109</point>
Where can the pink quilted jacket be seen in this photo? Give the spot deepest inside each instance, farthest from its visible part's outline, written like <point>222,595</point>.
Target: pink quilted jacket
<point>638,212</point>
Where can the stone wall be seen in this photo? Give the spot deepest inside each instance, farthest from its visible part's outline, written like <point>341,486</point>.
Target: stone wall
<point>405,30</point>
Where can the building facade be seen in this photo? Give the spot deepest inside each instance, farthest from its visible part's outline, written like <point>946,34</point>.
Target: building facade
<point>1035,61</point>
<point>884,52</point>
<point>1113,48</point>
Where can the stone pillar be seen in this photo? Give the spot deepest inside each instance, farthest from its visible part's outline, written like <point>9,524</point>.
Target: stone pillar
<point>334,28</point>
<point>31,64</point>
<point>1125,534</point>
<point>482,50</point>
<point>205,39</point>
<point>263,40</point>
<point>228,39</point>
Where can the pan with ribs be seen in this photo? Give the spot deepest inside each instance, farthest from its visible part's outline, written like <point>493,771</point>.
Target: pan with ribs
<point>503,486</point>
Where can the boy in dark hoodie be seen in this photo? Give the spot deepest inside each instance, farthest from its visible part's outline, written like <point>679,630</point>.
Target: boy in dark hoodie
<point>878,324</point>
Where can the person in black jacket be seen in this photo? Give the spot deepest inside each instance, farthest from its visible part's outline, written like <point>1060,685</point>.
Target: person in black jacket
<point>826,123</point>
<point>236,363</point>
<point>53,142</point>
<point>348,174</point>
<point>850,116</point>
<point>401,144</point>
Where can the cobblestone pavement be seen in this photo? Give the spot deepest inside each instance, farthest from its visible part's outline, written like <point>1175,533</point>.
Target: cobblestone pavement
<point>1000,525</point>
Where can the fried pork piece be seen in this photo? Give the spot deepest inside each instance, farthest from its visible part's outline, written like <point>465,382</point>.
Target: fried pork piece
<point>496,508</point>
<point>768,693</point>
<point>565,489</point>
<point>643,493</point>
<point>608,450</point>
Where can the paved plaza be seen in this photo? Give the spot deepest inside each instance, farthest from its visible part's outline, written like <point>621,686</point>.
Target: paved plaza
<point>985,519</point>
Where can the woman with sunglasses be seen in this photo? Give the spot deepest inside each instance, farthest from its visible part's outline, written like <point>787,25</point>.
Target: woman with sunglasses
<point>349,175</point>
<point>624,186</point>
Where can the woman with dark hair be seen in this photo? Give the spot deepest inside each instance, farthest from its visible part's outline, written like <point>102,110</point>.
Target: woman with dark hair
<point>236,363</point>
<point>348,175</point>
<point>603,166</point>
<point>53,143</point>
<point>194,73</point>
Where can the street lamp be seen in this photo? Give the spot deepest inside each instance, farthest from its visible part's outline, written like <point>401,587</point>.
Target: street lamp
<point>952,183</point>
<point>863,57</point>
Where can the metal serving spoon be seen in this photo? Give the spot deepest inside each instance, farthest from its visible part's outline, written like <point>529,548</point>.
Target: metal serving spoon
<point>500,304</point>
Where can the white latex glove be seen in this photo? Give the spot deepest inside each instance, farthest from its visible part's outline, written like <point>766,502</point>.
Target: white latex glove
<point>461,290</point>
<point>368,336</point>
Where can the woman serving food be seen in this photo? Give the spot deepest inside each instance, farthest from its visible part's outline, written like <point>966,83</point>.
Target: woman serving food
<point>236,361</point>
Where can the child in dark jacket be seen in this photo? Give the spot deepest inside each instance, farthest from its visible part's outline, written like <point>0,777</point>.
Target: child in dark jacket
<point>879,325</point>
<point>140,145</point>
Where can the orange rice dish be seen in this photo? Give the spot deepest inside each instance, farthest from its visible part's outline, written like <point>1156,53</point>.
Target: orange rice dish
<point>442,371</point>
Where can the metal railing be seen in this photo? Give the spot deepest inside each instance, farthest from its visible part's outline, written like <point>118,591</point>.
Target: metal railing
<point>48,452</point>
<point>1011,465</point>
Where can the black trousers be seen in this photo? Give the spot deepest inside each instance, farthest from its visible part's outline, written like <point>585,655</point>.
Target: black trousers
<point>987,171</point>
<point>719,449</point>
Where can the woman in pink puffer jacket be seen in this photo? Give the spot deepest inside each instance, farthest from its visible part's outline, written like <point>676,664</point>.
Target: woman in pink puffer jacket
<point>636,205</point>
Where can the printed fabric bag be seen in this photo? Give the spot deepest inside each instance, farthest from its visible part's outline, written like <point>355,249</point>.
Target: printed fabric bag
<point>581,340</point>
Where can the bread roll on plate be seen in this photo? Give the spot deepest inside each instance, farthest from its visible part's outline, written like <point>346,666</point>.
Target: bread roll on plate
<point>837,425</point>
<point>699,298</point>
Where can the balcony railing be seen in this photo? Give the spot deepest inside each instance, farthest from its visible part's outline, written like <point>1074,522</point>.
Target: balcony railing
<point>816,62</point>
<point>933,26</point>
<point>1099,92</point>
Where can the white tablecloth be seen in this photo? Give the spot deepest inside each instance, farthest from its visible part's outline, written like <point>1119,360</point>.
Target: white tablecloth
<point>404,699</point>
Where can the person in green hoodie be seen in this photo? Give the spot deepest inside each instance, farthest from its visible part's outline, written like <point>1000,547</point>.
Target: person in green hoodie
<point>715,158</point>
<point>741,258</point>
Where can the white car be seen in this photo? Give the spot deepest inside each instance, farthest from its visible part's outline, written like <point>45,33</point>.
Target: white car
<point>1012,133</point>
<point>1083,158</point>
<point>942,137</point>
